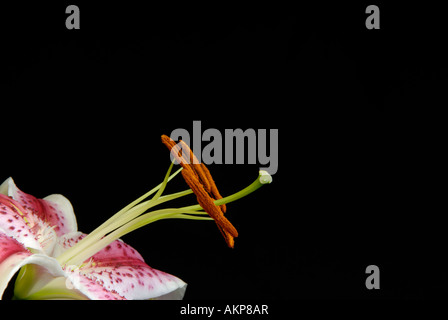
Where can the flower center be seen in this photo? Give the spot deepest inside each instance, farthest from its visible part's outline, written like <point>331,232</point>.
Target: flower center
<point>43,231</point>
<point>46,236</point>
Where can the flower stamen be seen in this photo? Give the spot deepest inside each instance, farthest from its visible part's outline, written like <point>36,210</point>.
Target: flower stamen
<point>199,179</point>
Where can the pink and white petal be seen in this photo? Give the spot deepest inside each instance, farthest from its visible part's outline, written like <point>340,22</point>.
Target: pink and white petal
<point>120,269</point>
<point>56,210</point>
<point>13,224</point>
<point>84,283</point>
<point>92,288</point>
<point>67,241</point>
<point>13,256</point>
<point>64,213</point>
<point>134,281</point>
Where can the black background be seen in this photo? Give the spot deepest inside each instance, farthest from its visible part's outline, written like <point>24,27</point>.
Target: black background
<point>359,119</point>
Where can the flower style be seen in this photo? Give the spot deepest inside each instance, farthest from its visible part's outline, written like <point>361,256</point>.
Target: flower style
<point>40,238</point>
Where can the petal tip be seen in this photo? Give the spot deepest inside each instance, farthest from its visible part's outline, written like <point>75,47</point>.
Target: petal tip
<point>6,185</point>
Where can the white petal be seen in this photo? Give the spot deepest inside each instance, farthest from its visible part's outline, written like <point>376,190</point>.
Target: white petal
<point>4,187</point>
<point>177,294</point>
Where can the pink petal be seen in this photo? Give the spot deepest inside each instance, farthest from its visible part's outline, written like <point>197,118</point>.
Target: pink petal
<point>121,271</point>
<point>56,210</point>
<point>9,247</point>
<point>13,224</point>
<point>67,241</point>
<point>121,268</point>
<point>92,288</point>
<point>14,255</point>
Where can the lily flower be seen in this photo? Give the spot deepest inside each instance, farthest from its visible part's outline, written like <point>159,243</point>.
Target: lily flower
<point>40,239</point>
